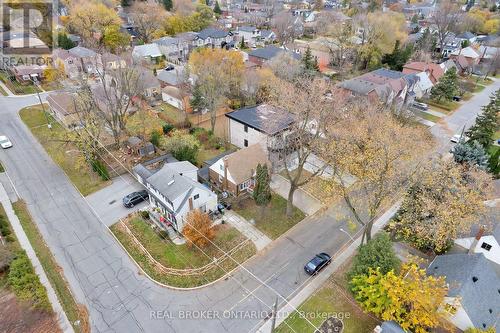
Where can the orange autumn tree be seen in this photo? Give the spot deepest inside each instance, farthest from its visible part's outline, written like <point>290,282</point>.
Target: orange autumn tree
<point>198,229</point>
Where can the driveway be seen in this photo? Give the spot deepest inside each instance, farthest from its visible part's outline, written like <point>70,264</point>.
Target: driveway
<point>107,203</point>
<point>301,199</point>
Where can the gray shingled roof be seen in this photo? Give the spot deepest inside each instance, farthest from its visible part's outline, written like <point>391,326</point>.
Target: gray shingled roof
<point>359,86</point>
<point>165,41</point>
<point>388,73</point>
<point>247,28</point>
<point>142,171</point>
<point>466,35</point>
<point>270,52</point>
<point>173,77</point>
<point>82,52</point>
<point>212,33</point>
<point>263,118</point>
<point>391,327</point>
<point>475,280</point>
<point>169,183</point>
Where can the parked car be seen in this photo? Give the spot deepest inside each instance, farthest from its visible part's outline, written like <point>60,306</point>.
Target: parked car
<point>456,138</point>
<point>169,68</point>
<point>457,98</point>
<point>134,198</point>
<point>420,106</point>
<point>317,263</point>
<point>5,142</point>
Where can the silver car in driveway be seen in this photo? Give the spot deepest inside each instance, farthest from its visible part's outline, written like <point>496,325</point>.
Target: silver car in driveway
<point>5,142</point>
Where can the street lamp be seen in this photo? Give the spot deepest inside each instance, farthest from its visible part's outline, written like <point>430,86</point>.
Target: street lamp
<point>345,232</point>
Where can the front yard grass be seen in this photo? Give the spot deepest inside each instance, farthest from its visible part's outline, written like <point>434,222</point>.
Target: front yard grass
<point>184,256</point>
<point>1,168</point>
<point>443,106</point>
<point>428,116</point>
<point>332,300</point>
<point>16,87</point>
<point>274,222</point>
<point>3,92</point>
<point>53,271</point>
<point>62,153</point>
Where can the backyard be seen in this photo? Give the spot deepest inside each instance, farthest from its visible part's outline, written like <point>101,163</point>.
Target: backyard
<point>274,221</point>
<point>63,153</point>
<point>183,257</point>
<point>332,300</point>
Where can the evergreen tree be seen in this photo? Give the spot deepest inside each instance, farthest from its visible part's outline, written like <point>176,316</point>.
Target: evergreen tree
<point>217,9</point>
<point>168,4</point>
<point>414,19</point>
<point>447,86</point>
<point>398,57</point>
<point>198,101</point>
<point>64,42</point>
<point>472,154</point>
<point>262,190</point>
<point>486,123</point>
<point>310,64</point>
<point>242,43</point>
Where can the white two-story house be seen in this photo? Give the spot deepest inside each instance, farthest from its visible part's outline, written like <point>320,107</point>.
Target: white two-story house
<point>213,37</point>
<point>174,192</point>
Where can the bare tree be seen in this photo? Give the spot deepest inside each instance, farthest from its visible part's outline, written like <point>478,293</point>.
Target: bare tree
<point>311,106</point>
<point>447,18</point>
<point>287,27</point>
<point>148,19</point>
<point>341,44</point>
<point>285,66</point>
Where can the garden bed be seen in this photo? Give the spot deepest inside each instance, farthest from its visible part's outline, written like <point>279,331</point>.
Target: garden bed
<point>184,257</point>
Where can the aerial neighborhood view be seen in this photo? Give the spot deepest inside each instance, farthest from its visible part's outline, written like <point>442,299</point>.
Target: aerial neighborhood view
<point>249,166</point>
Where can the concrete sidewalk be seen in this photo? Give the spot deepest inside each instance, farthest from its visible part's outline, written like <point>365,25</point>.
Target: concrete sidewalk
<point>338,259</point>
<point>26,245</point>
<point>246,228</point>
<point>301,199</point>
<point>7,90</point>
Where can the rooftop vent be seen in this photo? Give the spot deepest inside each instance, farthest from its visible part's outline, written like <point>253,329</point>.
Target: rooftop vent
<point>171,182</point>
<point>474,279</point>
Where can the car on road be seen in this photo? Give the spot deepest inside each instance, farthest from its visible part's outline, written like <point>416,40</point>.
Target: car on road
<point>134,198</point>
<point>420,106</point>
<point>316,264</point>
<point>5,142</point>
<point>169,68</point>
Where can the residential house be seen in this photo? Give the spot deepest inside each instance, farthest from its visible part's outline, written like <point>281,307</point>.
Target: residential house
<point>471,55</point>
<point>148,53</point>
<point>251,125</point>
<point>139,147</point>
<point>249,34</point>
<point>89,62</point>
<point>487,243</point>
<point>27,74</point>
<point>267,36</point>
<point>390,87</point>
<point>112,61</point>
<point>451,44</point>
<point>260,56</point>
<point>173,48</point>
<point>434,71</point>
<point>467,37</point>
<point>213,37</point>
<point>150,85</point>
<point>423,86</point>
<point>175,77</point>
<point>474,289</point>
<point>188,38</point>
<point>71,64</point>
<point>174,97</point>
<point>62,108</point>
<point>235,173</point>
<point>174,192</point>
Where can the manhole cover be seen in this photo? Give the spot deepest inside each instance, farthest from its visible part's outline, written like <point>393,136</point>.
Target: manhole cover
<point>331,325</point>
<point>112,202</point>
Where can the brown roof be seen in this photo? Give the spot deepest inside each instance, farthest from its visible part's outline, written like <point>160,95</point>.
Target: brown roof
<point>62,102</point>
<point>433,70</point>
<point>242,163</point>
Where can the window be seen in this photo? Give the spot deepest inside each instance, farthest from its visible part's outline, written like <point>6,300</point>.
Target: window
<point>486,246</point>
<point>196,196</point>
<point>245,128</point>
<point>221,167</point>
<point>450,309</point>
<point>245,143</point>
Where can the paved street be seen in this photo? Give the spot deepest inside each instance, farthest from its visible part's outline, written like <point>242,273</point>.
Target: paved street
<point>103,278</point>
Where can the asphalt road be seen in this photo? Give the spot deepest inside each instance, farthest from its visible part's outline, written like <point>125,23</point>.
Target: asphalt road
<point>118,298</point>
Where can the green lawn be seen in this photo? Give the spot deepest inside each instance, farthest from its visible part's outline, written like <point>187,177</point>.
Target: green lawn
<point>207,153</point>
<point>478,88</point>
<point>171,114</point>
<point>62,153</point>
<point>2,168</point>
<point>51,268</point>
<point>331,300</point>
<point>184,256</point>
<point>16,87</point>
<point>428,116</point>
<point>3,92</point>
<point>274,221</point>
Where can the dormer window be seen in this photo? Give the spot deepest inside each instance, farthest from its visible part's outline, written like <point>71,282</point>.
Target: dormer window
<point>486,246</point>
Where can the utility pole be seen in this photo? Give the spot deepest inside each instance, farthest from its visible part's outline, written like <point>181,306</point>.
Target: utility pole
<point>37,88</point>
<point>274,314</point>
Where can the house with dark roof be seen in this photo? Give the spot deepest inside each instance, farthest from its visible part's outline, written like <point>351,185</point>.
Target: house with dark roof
<point>249,34</point>
<point>235,173</point>
<point>261,55</point>
<point>62,108</point>
<point>149,53</point>
<point>213,37</point>
<point>434,71</point>
<point>89,61</point>
<point>26,74</point>
<point>388,86</point>
<point>473,298</point>
<point>486,242</point>
<point>173,47</point>
<point>250,125</point>
<point>174,192</point>
<point>467,36</point>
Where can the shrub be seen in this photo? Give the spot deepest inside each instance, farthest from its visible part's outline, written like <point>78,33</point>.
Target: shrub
<point>163,234</point>
<point>25,283</point>
<point>144,214</point>
<point>155,138</point>
<point>377,253</point>
<point>167,128</point>
<point>99,167</point>
<point>4,227</point>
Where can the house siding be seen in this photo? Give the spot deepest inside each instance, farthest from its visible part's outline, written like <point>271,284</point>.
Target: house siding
<point>238,134</point>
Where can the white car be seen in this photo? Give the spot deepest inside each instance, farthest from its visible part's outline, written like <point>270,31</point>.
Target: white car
<point>456,138</point>
<point>5,142</point>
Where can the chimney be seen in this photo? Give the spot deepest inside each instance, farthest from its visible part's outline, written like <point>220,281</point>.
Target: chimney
<point>190,203</point>
<point>224,185</point>
<point>476,240</point>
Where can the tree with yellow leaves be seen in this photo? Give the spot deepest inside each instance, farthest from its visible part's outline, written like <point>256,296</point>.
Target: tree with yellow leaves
<point>410,298</point>
<point>444,199</point>
<point>219,74</point>
<point>143,123</point>
<point>148,19</point>
<point>198,229</point>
